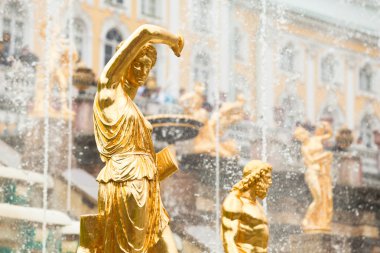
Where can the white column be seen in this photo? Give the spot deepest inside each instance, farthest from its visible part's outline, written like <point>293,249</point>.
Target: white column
<point>350,96</point>
<point>173,61</point>
<point>310,84</point>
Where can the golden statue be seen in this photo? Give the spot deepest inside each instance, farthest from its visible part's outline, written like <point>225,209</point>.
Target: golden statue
<point>318,177</point>
<point>131,215</point>
<point>244,223</point>
<point>58,64</point>
<point>192,103</point>
<point>229,113</point>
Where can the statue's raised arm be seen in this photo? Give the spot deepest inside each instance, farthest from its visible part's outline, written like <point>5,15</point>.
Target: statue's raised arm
<point>117,67</point>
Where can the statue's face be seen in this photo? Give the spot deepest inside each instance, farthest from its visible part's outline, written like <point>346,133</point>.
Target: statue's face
<point>139,70</point>
<point>320,129</point>
<point>301,134</point>
<point>262,186</point>
<point>200,88</point>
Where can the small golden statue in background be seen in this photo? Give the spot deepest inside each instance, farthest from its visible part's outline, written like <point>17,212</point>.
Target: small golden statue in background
<point>318,177</point>
<point>58,64</point>
<point>229,113</point>
<point>131,215</point>
<point>244,223</point>
<point>192,103</point>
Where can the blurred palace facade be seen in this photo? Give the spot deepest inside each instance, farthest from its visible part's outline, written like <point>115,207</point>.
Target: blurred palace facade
<point>315,65</point>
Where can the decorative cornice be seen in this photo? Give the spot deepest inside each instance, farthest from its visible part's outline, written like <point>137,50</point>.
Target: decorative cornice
<point>304,20</point>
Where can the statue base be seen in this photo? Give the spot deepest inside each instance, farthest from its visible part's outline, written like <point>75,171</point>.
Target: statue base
<point>318,243</point>
<point>204,167</point>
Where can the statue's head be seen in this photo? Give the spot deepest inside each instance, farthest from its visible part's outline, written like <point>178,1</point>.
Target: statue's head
<point>66,53</point>
<point>257,177</point>
<point>139,70</point>
<point>322,128</point>
<point>301,134</point>
<point>199,88</point>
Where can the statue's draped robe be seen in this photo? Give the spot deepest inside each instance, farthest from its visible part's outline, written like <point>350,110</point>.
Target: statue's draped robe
<point>129,197</point>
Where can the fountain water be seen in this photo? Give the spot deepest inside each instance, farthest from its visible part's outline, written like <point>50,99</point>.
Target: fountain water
<point>298,56</point>
<point>48,31</point>
<point>262,83</point>
<point>70,101</point>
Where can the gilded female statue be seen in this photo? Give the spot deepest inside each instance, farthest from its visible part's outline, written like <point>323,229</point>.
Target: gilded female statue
<point>244,223</point>
<point>317,176</point>
<point>134,219</point>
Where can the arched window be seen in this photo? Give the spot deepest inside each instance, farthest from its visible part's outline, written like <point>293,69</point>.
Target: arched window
<point>151,8</point>
<point>289,112</point>
<point>328,68</point>
<point>115,2</point>
<point>13,33</point>
<point>367,126</point>
<point>201,15</point>
<point>201,70</point>
<point>287,58</point>
<point>80,32</point>
<point>113,38</point>
<point>333,115</point>
<point>365,78</point>
<point>239,44</point>
<point>240,87</point>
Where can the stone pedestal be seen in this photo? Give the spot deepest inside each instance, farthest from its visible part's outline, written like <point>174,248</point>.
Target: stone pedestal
<point>203,166</point>
<point>318,243</point>
<point>348,169</point>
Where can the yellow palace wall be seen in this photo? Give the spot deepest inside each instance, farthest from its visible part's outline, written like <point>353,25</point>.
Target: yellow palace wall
<point>130,20</point>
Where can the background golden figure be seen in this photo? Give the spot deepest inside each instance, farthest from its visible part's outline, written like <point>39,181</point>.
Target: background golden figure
<point>318,177</point>
<point>59,64</point>
<point>244,223</point>
<point>229,113</point>
<point>133,218</point>
<point>192,103</point>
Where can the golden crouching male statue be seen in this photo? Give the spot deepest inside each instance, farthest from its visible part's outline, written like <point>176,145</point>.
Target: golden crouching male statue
<point>131,215</point>
<point>244,223</point>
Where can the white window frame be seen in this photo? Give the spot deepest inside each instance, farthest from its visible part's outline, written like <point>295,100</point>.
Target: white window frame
<point>202,27</point>
<point>298,61</point>
<point>79,22</point>
<point>87,36</point>
<point>371,89</point>
<point>240,52</point>
<point>371,120</point>
<point>24,18</point>
<point>205,68</point>
<point>328,59</point>
<point>112,43</point>
<point>336,114</point>
<point>336,81</point>
<point>108,24</point>
<point>290,54</point>
<point>121,8</point>
<point>160,11</point>
<point>294,112</point>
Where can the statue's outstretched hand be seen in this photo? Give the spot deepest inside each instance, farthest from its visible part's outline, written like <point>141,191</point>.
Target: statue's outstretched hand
<point>177,48</point>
